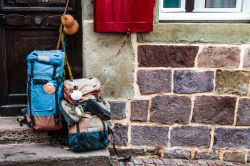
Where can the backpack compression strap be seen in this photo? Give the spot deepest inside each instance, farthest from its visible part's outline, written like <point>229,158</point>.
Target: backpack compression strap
<point>29,92</point>
<point>59,81</point>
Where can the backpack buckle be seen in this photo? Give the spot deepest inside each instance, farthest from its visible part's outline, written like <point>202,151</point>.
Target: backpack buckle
<point>58,80</point>
<point>24,121</point>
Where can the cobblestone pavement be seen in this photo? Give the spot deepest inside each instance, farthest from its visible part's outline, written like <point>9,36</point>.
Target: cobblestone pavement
<point>175,162</point>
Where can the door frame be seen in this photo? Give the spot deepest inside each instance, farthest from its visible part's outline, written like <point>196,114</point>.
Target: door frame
<point>74,57</point>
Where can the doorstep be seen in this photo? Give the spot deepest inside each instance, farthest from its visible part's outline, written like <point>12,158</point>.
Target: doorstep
<point>12,133</point>
<point>42,154</point>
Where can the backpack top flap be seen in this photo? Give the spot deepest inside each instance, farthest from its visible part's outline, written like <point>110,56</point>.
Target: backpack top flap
<point>85,85</point>
<point>54,57</point>
<point>45,61</point>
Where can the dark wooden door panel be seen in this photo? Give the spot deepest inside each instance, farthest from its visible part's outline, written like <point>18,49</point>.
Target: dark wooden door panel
<point>18,47</point>
<point>26,26</point>
<point>37,5</point>
<point>34,3</point>
<point>3,68</point>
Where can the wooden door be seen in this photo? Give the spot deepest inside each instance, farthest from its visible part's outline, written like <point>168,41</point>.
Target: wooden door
<point>26,25</point>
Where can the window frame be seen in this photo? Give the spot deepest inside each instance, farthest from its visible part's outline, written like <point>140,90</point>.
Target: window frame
<point>199,6</point>
<point>217,14</point>
<point>167,10</point>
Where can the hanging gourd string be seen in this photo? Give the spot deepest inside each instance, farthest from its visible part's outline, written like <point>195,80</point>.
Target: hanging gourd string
<point>61,26</point>
<point>62,39</point>
<point>66,7</point>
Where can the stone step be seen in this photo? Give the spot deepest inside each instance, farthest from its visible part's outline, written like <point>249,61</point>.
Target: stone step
<point>12,133</point>
<point>42,154</point>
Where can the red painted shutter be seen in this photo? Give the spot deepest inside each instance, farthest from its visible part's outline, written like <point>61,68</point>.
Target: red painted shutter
<point>124,15</point>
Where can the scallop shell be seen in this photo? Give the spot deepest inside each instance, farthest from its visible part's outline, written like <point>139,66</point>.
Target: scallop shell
<point>49,88</point>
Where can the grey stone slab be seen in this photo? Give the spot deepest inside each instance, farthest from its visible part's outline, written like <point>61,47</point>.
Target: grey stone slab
<point>42,154</point>
<point>197,33</point>
<point>12,133</point>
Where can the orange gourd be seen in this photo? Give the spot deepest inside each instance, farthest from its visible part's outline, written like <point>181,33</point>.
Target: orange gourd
<point>67,20</point>
<point>72,30</point>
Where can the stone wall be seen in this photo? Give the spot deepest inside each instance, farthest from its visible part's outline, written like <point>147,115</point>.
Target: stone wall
<point>191,102</point>
<point>174,95</point>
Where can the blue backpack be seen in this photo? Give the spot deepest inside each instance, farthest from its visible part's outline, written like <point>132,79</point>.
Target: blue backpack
<point>44,89</point>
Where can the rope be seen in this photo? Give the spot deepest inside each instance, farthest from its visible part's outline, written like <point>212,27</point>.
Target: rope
<point>61,26</point>
<point>66,62</point>
<point>62,39</point>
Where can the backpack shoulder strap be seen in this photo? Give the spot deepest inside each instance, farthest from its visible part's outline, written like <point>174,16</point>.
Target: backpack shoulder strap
<point>25,120</point>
